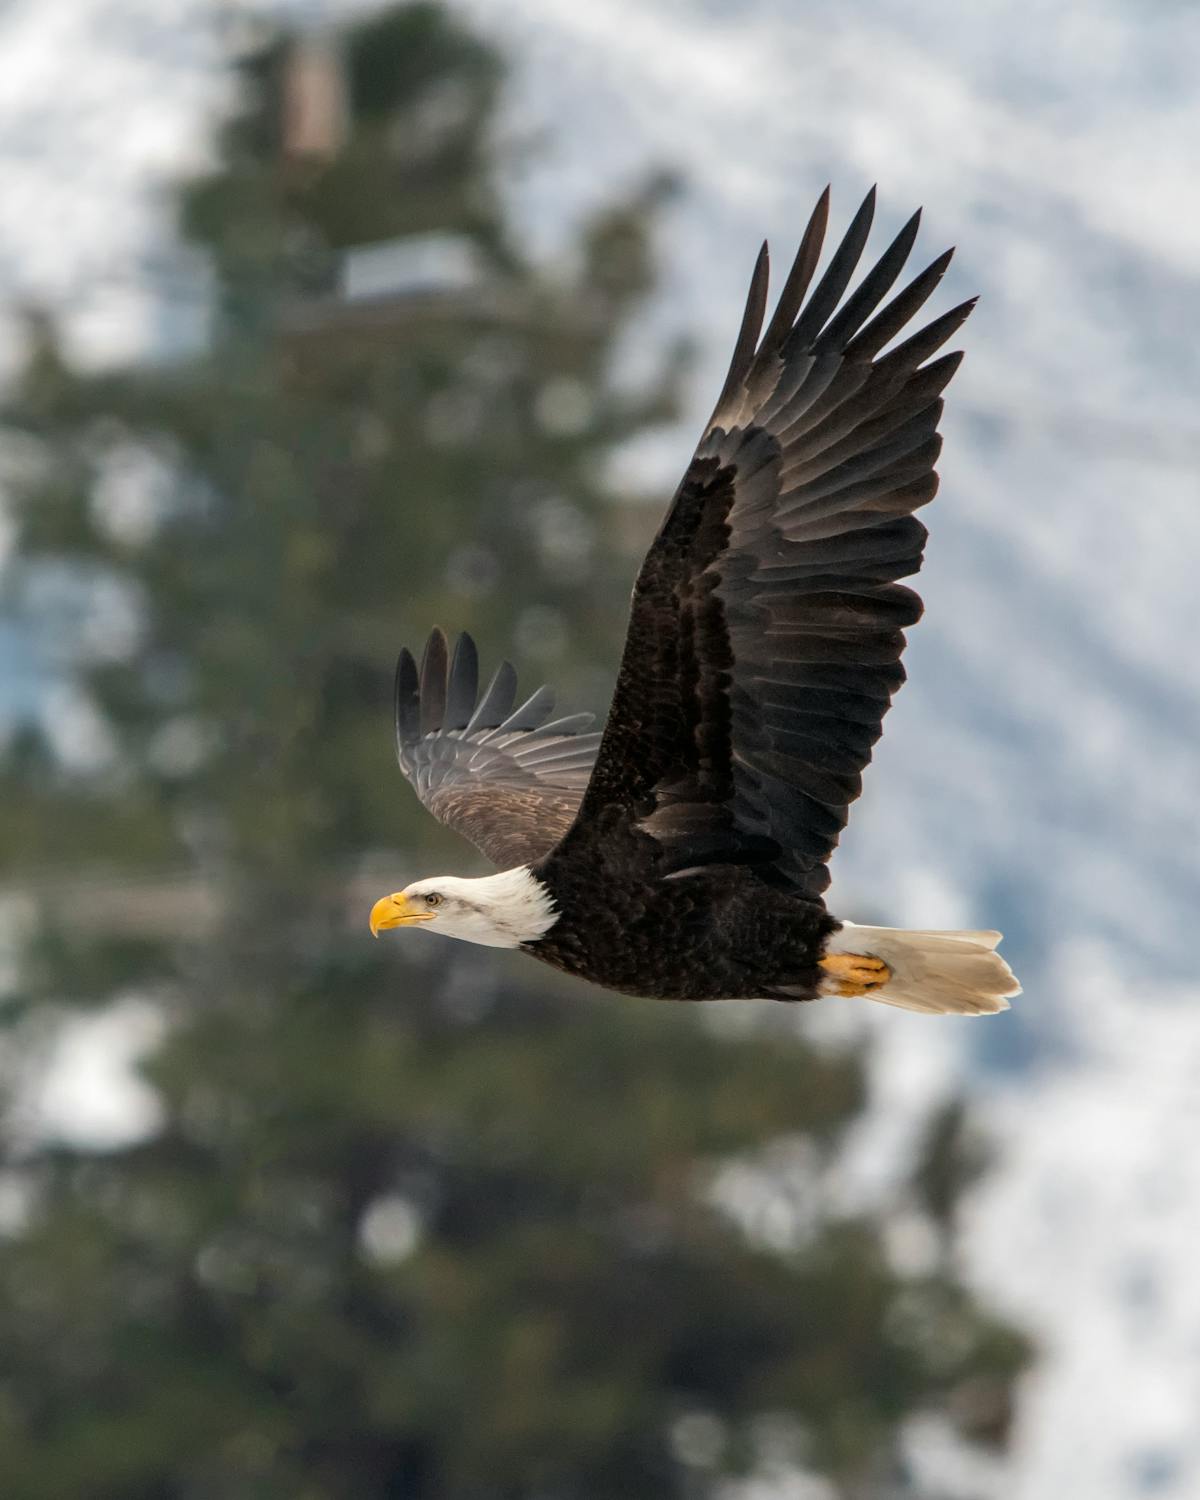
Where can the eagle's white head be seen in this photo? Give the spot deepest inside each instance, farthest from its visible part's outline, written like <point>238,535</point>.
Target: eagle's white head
<point>500,911</point>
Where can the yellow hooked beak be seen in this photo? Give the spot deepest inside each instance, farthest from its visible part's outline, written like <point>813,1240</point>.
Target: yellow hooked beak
<point>397,911</point>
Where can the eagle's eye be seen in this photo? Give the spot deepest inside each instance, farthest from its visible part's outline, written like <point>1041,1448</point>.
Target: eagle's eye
<point>433,899</point>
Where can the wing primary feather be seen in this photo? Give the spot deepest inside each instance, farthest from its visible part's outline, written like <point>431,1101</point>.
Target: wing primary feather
<point>863,450</point>
<point>828,291</point>
<point>433,682</point>
<point>407,702</point>
<point>803,383</point>
<point>463,684</point>
<point>496,703</point>
<point>747,339</point>
<point>928,340</point>
<point>564,748</point>
<point>871,292</point>
<point>549,768</point>
<point>569,725</point>
<point>798,278</point>
<point>888,323</point>
<point>851,440</point>
<point>851,422</point>
<point>534,712</point>
<point>835,384</point>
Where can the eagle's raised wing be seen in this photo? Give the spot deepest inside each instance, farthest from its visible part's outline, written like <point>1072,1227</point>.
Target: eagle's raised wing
<point>766,628</point>
<point>507,778</point>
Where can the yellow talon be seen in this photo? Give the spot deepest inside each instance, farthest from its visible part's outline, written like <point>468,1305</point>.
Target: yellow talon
<point>853,974</point>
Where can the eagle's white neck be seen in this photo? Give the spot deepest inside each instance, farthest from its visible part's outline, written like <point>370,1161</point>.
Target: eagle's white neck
<point>500,911</point>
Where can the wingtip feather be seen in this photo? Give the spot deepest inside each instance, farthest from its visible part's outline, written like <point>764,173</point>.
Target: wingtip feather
<point>406,700</point>
<point>434,667</point>
<point>463,683</point>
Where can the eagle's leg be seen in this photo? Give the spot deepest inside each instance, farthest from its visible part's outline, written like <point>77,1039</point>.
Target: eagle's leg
<point>853,974</point>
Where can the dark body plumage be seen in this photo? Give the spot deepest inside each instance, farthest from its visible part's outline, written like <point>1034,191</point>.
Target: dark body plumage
<point>716,933</point>
<point>686,847</point>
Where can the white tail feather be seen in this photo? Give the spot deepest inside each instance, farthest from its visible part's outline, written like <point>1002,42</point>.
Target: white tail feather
<point>936,973</point>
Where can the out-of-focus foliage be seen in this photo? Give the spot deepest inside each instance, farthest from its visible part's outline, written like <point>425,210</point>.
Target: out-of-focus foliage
<point>419,1220</point>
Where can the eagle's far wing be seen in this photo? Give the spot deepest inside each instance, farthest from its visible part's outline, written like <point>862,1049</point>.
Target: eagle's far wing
<point>767,623</point>
<point>506,777</point>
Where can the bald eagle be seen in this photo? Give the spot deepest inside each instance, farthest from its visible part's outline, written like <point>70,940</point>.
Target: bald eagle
<point>682,852</point>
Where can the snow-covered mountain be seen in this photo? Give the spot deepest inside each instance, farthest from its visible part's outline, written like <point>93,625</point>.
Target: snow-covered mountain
<point>1040,770</point>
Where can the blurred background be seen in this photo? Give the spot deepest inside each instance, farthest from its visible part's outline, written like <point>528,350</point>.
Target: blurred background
<point>326,321</point>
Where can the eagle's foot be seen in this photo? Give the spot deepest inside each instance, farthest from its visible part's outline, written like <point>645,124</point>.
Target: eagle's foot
<point>853,974</point>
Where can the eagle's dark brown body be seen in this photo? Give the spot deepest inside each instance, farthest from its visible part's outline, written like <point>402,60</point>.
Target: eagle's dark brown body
<point>718,933</point>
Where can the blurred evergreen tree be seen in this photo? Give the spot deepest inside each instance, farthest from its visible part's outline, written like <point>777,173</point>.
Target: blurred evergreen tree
<point>416,1221</point>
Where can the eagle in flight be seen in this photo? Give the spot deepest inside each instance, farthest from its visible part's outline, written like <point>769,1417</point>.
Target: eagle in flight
<point>682,852</point>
